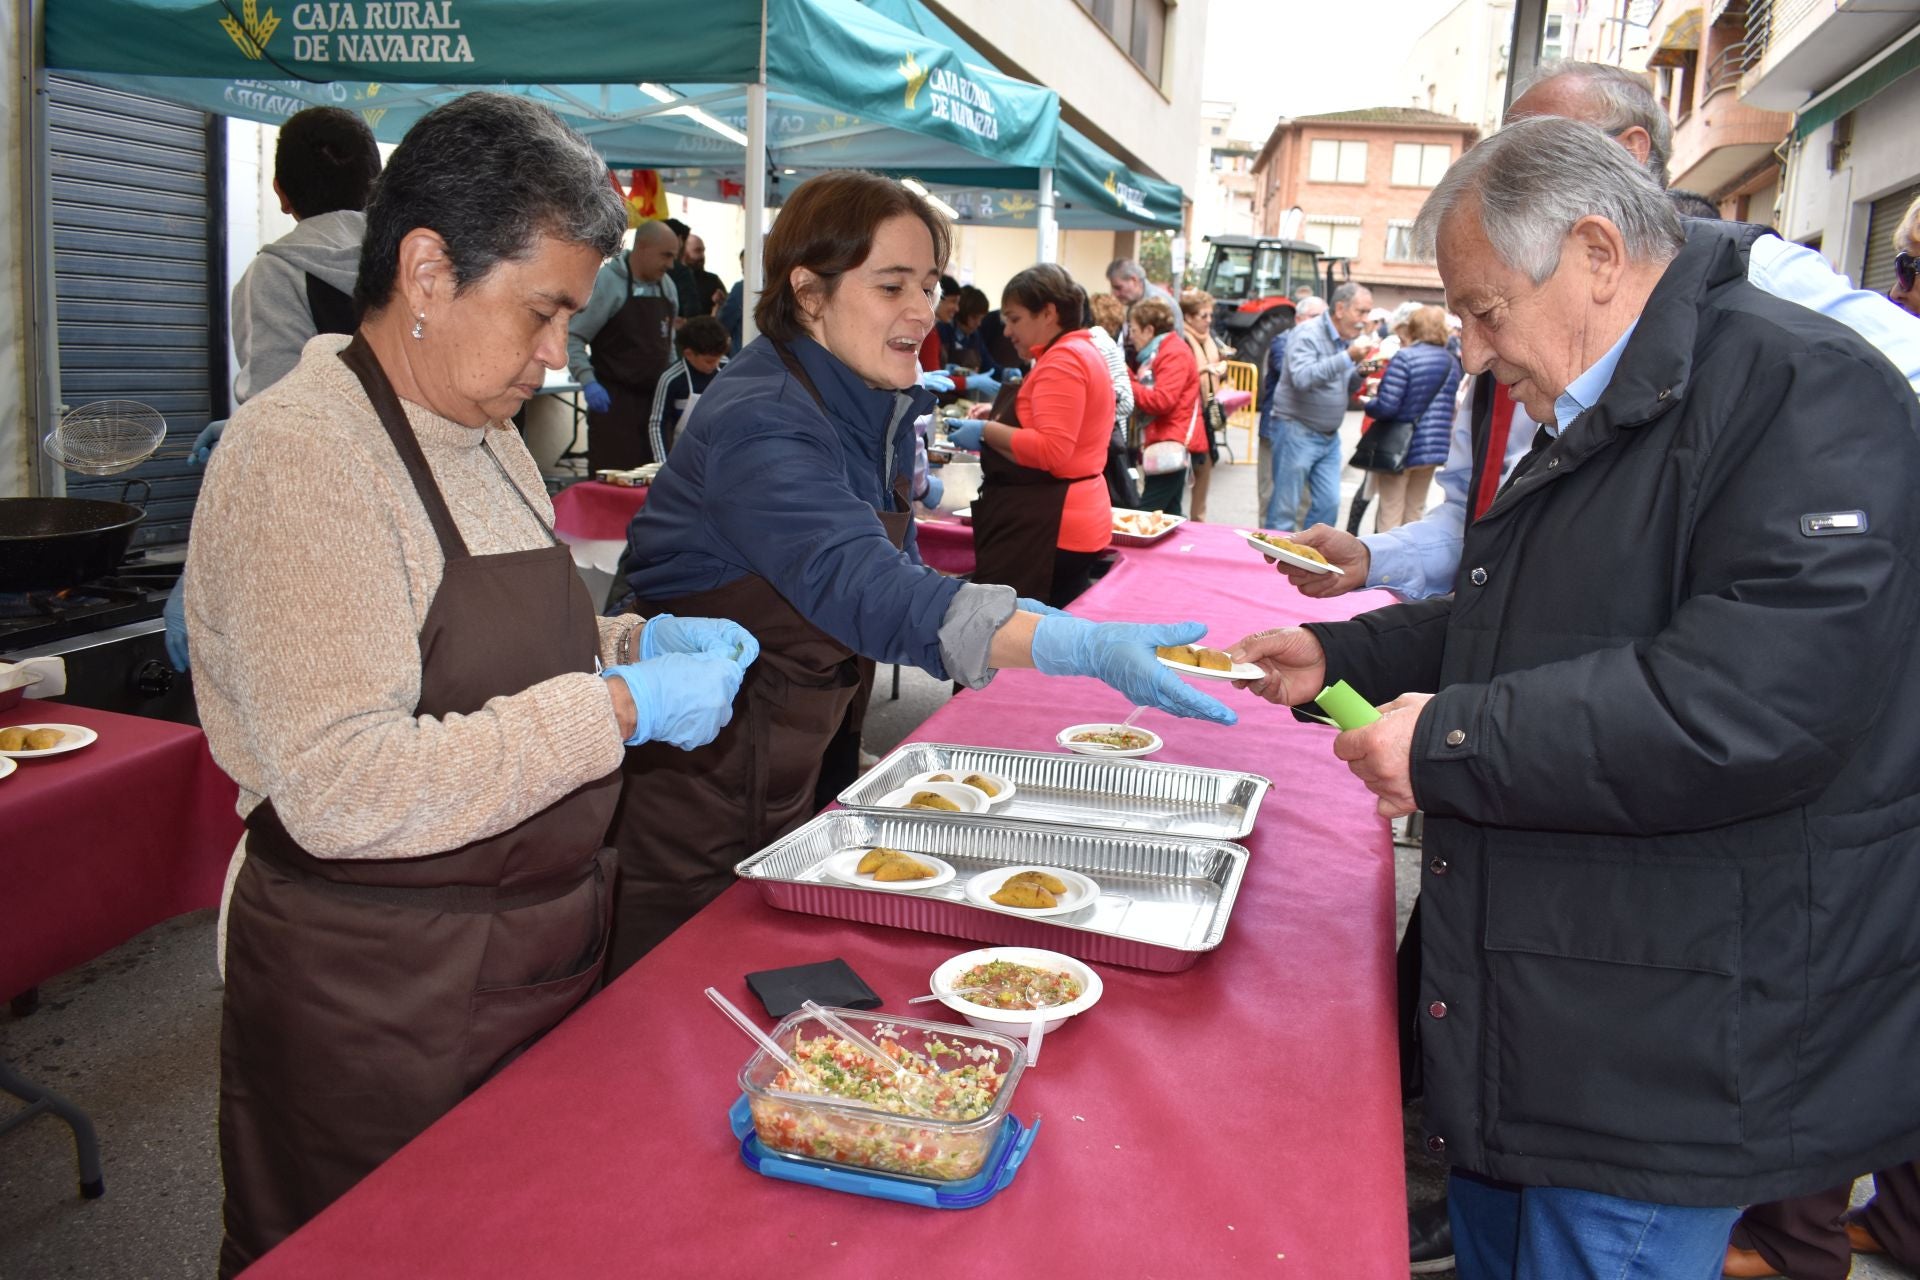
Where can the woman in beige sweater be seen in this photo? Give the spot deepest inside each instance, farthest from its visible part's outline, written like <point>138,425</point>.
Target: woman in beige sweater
<point>396,661</point>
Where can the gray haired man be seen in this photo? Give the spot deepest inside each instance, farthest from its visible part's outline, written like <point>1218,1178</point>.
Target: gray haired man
<point>1660,971</point>
<point>1129,282</point>
<point>1319,376</point>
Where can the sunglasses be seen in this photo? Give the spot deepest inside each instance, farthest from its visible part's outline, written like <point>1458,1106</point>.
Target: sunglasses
<point>1904,267</point>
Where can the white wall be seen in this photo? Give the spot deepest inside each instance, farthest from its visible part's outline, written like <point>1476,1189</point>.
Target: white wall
<point>988,257</point>
<point>1055,43</point>
<point>1884,156</point>
<point>14,298</point>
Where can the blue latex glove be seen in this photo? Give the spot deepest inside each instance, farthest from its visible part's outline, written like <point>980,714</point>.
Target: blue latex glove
<point>936,381</point>
<point>930,497</point>
<point>176,617</point>
<point>665,633</point>
<point>1121,653</point>
<point>684,699</point>
<point>1029,605</point>
<point>202,450</point>
<point>981,387</point>
<point>596,397</point>
<point>1011,373</point>
<point>969,435</point>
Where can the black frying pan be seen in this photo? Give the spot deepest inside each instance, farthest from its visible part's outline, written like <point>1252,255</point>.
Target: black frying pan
<point>49,544</point>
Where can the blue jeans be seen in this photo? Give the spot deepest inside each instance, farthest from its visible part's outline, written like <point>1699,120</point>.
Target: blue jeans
<point>1505,1232</point>
<point>1304,455</point>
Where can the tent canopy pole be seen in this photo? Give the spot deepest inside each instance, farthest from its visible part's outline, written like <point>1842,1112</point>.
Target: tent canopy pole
<point>756,189</point>
<point>1048,232</point>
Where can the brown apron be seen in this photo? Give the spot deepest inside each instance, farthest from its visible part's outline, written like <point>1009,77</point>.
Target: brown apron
<point>1016,523</point>
<point>686,817</point>
<point>365,997</point>
<point>629,354</point>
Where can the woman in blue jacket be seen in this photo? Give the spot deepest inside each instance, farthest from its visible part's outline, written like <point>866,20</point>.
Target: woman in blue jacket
<point>784,506</point>
<point>1412,419</point>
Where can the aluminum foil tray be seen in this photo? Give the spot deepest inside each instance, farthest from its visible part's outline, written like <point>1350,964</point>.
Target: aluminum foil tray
<point>1085,791</point>
<point>1164,899</point>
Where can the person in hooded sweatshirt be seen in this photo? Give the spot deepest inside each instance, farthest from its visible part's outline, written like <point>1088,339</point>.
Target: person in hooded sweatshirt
<point>301,285</point>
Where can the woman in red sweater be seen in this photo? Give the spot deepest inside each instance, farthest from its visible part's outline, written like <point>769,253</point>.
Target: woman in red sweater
<point>1166,393</point>
<point>1043,518</point>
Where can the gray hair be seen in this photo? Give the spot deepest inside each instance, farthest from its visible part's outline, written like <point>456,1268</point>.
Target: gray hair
<point>1616,100</point>
<point>1344,294</point>
<point>1310,306</point>
<point>490,173</point>
<point>1534,179</point>
<point>1125,269</point>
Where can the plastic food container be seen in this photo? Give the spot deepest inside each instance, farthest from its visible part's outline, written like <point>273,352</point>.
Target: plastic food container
<point>14,683</point>
<point>840,1131</point>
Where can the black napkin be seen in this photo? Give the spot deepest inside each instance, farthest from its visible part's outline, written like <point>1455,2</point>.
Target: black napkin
<point>829,982</point>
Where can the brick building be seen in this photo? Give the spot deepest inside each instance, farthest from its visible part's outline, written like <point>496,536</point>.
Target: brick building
<point>1358,178</point>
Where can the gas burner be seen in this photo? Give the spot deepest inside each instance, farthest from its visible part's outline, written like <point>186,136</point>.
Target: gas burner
<point>136,593</point>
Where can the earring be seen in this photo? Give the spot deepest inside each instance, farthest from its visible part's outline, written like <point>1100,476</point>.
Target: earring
<point>418,321</point>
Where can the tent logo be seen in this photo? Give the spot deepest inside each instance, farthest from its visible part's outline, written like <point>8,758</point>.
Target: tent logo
<point>372,115</point>
<point>1130,198</point>
<point>1017,206</point>
<point>916,78</point>
<point>253,31</point>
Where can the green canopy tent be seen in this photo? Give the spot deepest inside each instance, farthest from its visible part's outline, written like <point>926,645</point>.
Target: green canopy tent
<point>1081,186</point>
<point>751,85</point>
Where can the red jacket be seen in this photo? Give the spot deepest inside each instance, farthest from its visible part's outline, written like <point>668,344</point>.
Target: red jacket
<point>1174,397</point>
<point>1066,420</point>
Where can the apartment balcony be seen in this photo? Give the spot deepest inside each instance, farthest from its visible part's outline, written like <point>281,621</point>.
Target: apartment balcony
<point>1721,141</point>
<point>1800,47</point>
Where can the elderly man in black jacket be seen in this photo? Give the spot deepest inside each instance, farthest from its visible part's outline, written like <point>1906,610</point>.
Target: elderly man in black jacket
<point>1662,733</point>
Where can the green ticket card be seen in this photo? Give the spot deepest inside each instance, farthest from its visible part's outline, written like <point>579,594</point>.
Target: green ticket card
<point>1346,708</point>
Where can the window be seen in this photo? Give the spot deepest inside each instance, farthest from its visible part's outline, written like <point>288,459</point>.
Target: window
<point>1420,164</point>
<point>1552,42</point>
<point>1338,234</point>
<point>1330,161</point>
<point>1400,242</point>
<point>1138,26</point>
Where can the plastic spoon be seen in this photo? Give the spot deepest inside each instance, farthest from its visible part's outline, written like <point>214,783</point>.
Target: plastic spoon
<point>1124,724</point>
<point>761,1038</point>
<point>942,995</point>
<point>839,1027</point>
<point>1033,1040</point>
<point>784,1058</point>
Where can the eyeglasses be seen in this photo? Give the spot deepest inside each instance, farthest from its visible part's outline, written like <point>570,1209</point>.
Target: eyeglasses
<point>1904,266</point>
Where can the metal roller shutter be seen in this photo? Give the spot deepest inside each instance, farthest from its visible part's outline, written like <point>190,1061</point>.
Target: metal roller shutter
<point>1882,218</point>
<point>138,278</point>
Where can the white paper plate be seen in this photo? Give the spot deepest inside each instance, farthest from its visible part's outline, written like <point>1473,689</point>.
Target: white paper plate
<point>1065,739</point>
<point>1238,671</point>
<point>1018,1021</point>
<point>7,766</point>
<point>970,799</point>
<point>1284,556</point>
<point>75,737</point>
<point>1000,797</point>
<point>1081,892</point>
<point>1127,538</point>
<point>841,867</point>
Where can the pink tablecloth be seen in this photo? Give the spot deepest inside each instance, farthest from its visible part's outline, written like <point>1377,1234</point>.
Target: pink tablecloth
<point>1238,1118</point>
<point>945,544</point>
<point>594,511</point>
<point>99,844</point>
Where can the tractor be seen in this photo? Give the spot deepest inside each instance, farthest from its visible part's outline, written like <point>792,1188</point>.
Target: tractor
<point>1253,279</point>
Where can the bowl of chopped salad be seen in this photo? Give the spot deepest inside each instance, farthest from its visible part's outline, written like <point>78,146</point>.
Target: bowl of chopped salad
<point>933,1120</point>
<point>1014,987</point>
